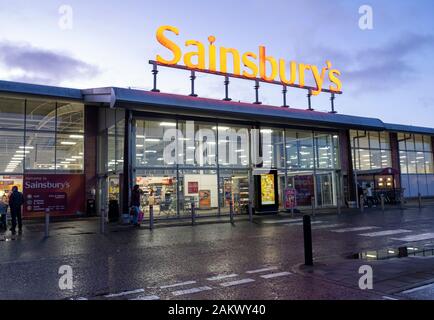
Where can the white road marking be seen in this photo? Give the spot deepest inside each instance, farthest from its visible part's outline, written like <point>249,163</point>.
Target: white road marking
<point>388,298</point>
<point>418,288</point>
<point>236,283</point>
<point>276,275</point>
<point>221,277</point>
<point>146,298</point>
<point>417,237</point>
<point>262,270</point>
<point>125,293</point>
<point>353,229</point>
<point>281,221</point>
<point>178,284</point>
<point>326,226</point>
<point>190,291</point>
<point>384,233</point>
<point>300,224</point>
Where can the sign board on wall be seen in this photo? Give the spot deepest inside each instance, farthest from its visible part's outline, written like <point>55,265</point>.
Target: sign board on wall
<point>62,194</point>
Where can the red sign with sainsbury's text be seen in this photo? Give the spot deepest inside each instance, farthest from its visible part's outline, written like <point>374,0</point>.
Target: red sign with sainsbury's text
<point>62,194</point>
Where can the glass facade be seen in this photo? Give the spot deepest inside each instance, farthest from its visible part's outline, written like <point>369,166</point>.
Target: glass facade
<point>370,150</point>
<point>416,162</point>
<point>178,162</point>
<point>41,136</point>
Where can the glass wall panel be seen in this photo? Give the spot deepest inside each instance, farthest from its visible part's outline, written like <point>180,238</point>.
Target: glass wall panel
<point>156,143</point>
<point>234,186</point>
<point>197,143</point>
<point>385,140</point>
<point>70,117</point>
<point>200,187</point>
<point>418,139</point>
<point>69,152</point>
<point>233,146</point>
<point>306,153</point>
<point>374,140</point>
<point>273,147</point>
<point>41,115</point>
<point>429,163</point>
<point>40,151</point>
<point>11,113</point>
<point>324,151</point>
<point>11,146</point>
<point>111,148</point>
<point>158,188</point>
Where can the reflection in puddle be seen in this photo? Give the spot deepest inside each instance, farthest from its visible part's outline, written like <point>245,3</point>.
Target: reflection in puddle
<point>401,252</point>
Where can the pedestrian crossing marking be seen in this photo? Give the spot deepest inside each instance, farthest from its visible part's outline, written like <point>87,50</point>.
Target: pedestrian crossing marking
<point>384,233</point>
<point>275,275</point>
<point>417,237</point>
<point>355,229</point>
<point>262,270</point>
<point>178,284</point>
<point>238,282</point>
<point>190,291</point>
<point>222,277</point>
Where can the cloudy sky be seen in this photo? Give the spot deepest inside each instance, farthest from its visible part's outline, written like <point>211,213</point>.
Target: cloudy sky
<point>386,72</point>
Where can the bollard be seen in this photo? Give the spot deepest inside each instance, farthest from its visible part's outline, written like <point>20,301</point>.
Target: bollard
<point>307,232</point>
<point>382,202</point>
<point>193,214</point>
<point>420,200</point>
<point>312,200</point>
<point>231,211</point>
<point>151,217</point>
<point>250,211</point>
<point>102,220</point>
<point>47,222</point>
<point>362,203</point>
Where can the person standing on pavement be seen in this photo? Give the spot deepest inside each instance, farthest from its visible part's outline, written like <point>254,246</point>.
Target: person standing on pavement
<point>369,196</point>
<point>16,201</point>
<point>3,212</point>
<point>135,203</point>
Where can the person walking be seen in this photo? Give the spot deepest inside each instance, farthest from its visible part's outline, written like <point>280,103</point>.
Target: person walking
<point>135,203</point>
<point>3,212</point>
<point>16,201</point>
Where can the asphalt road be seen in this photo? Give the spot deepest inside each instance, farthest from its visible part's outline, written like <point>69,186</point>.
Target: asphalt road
<point>213,261</point>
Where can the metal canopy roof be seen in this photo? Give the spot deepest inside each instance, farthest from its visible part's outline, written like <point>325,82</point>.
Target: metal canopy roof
<point>243,110</point>
<point>151,101</point>
<point>40,90</point>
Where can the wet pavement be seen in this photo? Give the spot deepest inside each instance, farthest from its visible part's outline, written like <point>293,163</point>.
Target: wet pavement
<point>259,260</point>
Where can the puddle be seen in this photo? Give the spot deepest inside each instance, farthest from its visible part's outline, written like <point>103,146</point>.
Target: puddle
<point>417,250</point>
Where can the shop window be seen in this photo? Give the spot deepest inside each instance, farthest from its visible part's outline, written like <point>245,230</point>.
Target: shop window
<point>374,140</point>
<point>111,149</point>
<point>156,143</point>
<point>364,159</point>
<point>420,162</point>
<point>384,140</point>
<point>197,143</point>
<point>234,186</point>
<point>418,139</point>
<point>403,162</point>
<point>324,151</point>
<point>12,152</point>
<point>409,141</point>
<point>41,115</point>
<point>429,163</point>
<point>69,152</point>
<point>306,153</point>
<point>427,144</point>
<point>411,162</point>
<point>40,151</point>
<point>159,190</point>
<point>273,147</point>
<point>70,117</point>
<point>11,113</point>
<point>234,146</point>
<point>200,187</point>
<point>386,159</point>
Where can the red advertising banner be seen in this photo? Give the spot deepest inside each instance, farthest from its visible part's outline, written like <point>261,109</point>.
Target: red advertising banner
<point>63,194</point>
<point>193,187</point>
<point>290,198</point>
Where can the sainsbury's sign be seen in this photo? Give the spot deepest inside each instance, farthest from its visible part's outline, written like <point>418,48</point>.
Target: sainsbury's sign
<point>250,65</point>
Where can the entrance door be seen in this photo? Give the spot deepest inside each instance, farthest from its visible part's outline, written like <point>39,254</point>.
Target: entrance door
<point>304,185</point>
<point>234,186</point>
<point>325,185</point>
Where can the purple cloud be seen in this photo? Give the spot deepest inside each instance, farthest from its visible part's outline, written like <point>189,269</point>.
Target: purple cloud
<point>36,65</point>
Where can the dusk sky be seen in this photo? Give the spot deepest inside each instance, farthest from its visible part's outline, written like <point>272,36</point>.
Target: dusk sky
<point>386,72</point>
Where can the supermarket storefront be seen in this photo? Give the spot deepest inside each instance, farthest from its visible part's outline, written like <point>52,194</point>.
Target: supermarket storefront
<point>63,147</point>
